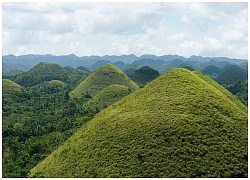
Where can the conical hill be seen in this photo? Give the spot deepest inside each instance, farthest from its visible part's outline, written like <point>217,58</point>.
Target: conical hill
<point>181,124</point>
<point>42,72</point>
<point>9,87</point>
<point>106,97</point>
<point>99,79</point>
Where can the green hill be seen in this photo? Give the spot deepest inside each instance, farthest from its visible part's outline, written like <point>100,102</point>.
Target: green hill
<point>211,69</point>
<point>101,78</point>
<point>144,75</point>
<point>9,87</point>
<point>231,75</point>
<point>130,72</point>
<point>182,124</point>
<point>106,97</point>
<point>42,72</point>
<point>84,69</point>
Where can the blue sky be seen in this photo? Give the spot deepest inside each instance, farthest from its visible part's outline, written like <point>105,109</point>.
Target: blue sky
<point>206,29</point>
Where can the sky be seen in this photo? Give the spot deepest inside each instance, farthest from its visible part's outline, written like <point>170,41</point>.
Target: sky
<point>84,29</point>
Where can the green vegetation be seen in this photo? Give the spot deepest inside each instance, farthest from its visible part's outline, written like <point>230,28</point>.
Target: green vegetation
<point>38,118</point>
<point>106,97</point>
<point>240,90</point>
<point>101,78</point>
<point>35,122</point>
<point>144,75</point>
<point>211,71</point>
<point>77,75</point>
<point>130,72</point>
<point>182,124</point>
<point>41,73</point>
<point>9,87</point>
<point>84,69</point>
<point>231,75</point>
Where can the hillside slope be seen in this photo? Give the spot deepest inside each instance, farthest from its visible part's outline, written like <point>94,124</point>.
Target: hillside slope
<point>101,78</point>
<point>106,97</point>
<point>9,87</point>
<point>182,124</point>
<point>42,72</point>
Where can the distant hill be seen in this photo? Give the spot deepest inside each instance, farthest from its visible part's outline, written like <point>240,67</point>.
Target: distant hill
<point>130,72</point>
<point>45,71</point>
<point>106,97</point>
<point>149,62</point>
<point>98,64</point>
<point>181,125</point>
<point>231,75</point>
<point>101,78</point>
<point>26,62</point>
<point>55,86</point>
<point>83,68</point>
<point>9,87</point>
<point>9,69</point>
<point>240,90</point>
<point>209,70</point>
<point>77,75</point>
<point>176,63</point>
<point>121,65</point>
<point>144,75</point>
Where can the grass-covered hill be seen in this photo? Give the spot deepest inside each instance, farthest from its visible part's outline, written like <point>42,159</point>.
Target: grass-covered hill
<point>182,124</point>
<point>231,75</point>
<point>106,97</point>
<point>42,72</point>
<point>9,87</point>
<point>99,79</point>
<point>144,75</point>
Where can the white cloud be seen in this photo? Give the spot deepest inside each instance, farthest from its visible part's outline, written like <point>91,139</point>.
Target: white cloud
<point>209,29</point>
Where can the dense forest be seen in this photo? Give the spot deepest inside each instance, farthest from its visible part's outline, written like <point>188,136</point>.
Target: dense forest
<point>39,114</point>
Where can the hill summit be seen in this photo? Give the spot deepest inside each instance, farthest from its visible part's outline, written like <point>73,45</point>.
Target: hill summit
<point>144,75</point>
<point>99,79</point>
<point>42,72</point>
<point>182,124</point>
<point>9,87</point>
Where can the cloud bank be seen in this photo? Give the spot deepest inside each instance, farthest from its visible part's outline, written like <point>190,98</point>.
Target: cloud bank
<point>206,29</point>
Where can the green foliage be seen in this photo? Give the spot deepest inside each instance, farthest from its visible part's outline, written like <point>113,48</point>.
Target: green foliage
<point>101,78</point>
<point>36,120</point>
<point>106,97</point>
<point>231,75</point>
<point>182,124</point>
<point>83,68</point>
<point>211,70</point>
<point>240,90</point>
<point>130,72</point>
<point>41,73</point>
<point>144,75</point>
<point>77,75</point>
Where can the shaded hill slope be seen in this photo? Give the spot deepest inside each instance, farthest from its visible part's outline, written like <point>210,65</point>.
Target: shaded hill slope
<point>101,78</point>
<point>42,72</point>
<point>106,97</point>
<point>144,75</point>
<point>182,124</point>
